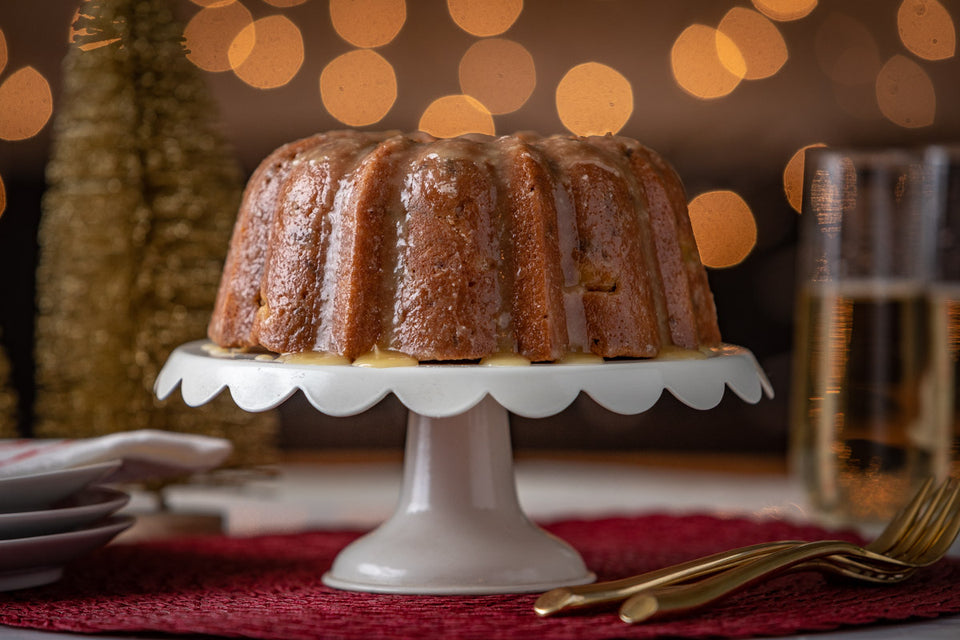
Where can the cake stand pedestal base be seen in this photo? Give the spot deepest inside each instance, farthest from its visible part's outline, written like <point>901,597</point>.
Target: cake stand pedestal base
<point>458,527</point>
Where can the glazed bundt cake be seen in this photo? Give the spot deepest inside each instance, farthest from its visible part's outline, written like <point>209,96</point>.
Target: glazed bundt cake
<point>457,249</point>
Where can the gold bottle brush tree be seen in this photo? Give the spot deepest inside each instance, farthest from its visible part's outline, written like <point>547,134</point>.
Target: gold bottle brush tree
<point>142,195</point>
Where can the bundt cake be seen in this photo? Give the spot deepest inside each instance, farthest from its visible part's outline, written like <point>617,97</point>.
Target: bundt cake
<point>457,249</point>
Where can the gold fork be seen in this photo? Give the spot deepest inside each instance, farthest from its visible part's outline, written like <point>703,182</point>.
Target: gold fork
<point>578,597</point>
<point>923,541</point>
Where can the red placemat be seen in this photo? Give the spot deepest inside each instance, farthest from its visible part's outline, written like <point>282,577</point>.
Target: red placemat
<point>269,587</point>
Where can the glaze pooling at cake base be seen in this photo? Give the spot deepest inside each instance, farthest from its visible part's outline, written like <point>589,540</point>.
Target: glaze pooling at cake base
<point>315,358</point>
<point>504,360</point>
<point>384,359</point>
<point>352,243</point>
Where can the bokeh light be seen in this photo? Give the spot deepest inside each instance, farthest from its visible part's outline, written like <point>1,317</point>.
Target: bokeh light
<point>210,33</point>
<point>284,4</point>
<point>927,29</point>
<point>849,55</point>
<point>485,18</point>
<point>724,228</point>
<point>456,115</point>
<point>793,177</point>
<point>499,73</point>
<point>594,99</point>
<point>706,63</point>
<point>785,10</point>
<point>359,87</point>
<point>3,51</point>
<point>25,104</point>
<point>3,197</point>
<point>267,53</point>
<point>758,40</point>
<point>368,23</point>
<point>905,93</point>
<point>846,50</point>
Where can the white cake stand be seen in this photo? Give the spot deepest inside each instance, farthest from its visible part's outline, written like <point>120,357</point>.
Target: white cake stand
<point>458,527</point>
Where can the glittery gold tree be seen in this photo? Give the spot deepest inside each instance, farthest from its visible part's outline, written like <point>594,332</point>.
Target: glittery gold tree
<point>142,196</point>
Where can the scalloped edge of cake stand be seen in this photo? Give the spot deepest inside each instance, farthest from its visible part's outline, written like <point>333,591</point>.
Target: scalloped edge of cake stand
<point>538,391</point>
<point>458,527</point>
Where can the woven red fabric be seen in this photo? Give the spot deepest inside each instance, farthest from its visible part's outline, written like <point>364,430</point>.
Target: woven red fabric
<point>269,587</point>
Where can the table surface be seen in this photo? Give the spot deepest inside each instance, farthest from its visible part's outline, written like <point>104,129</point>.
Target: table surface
<point>360,490</point>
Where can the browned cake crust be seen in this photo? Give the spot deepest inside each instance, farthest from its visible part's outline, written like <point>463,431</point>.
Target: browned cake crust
<point>458,249</point>
<point>532,239</point>
<point>239,295</point>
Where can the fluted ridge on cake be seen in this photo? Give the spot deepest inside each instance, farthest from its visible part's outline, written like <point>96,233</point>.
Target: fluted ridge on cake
<point>457,249</point>
<point>239,294</point>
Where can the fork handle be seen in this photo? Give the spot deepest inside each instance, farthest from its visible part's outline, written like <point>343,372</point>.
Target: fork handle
<point>681,598</point>
<point>588,595</point>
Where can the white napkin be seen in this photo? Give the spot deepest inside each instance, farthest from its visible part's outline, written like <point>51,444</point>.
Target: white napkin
<point>146,454</point>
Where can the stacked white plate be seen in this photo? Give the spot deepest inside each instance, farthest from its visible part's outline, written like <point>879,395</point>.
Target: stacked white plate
<point>49,519</point>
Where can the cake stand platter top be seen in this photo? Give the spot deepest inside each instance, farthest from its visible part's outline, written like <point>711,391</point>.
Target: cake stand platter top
<point>536,391</point>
